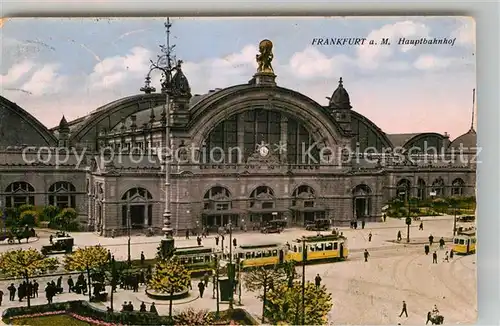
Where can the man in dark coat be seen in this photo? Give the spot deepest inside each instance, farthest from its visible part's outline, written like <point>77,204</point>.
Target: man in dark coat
<point>201,288</point>
<point>366,254</point>
<point>143,307</point>
<point>35,288</point>
<point>399,236</point>
<point>235,244</point>
<point>403,310</point>
<point>143,258</point>
<point>317,281</point>
<point>370,237</point>
<point>152,309</point>
<point>198,240</point>
<point>363,224</point>
<point>431,240</point>
<point>71,283</point>
<point>421,226</point>
<point>217,240</point>
<point>12,292</point>
<point>441,243</point>
<point>434,257</point>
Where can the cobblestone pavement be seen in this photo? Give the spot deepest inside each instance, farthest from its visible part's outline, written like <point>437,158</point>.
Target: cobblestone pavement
<point>363,293</point>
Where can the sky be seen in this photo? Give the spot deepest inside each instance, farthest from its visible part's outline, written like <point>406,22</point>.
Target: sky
<point>53,67</point>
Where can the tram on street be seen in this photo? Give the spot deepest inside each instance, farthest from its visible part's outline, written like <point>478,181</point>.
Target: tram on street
<point>266,254</point>
<point>464,242</point>
<point>319,248</point>
<point>197,259</point>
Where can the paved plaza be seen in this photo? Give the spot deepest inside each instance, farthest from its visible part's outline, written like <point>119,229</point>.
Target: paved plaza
<point>363,292</point>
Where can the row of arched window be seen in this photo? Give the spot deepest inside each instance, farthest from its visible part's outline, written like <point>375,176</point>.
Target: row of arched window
<point>437,188</point>
<point>61,194</point>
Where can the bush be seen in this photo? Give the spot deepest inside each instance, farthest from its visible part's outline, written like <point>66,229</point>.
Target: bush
<point>29,218</point>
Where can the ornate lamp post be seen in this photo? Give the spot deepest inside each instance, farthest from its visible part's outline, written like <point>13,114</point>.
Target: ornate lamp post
<point>129,226</point>
<point>231,268</point>
<point>167,65</point>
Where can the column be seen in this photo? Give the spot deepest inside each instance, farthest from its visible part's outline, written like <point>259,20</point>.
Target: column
<point>284,136</point>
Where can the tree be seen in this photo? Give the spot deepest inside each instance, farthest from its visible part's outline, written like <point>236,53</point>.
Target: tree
<point>28,218</point>
<point>290,271</point>
<point>190,316</point>
<point>65,218</point>
<point>85,260</point>
<point>262,279</point>
<point>170,276</point>
<point>48,213</point>
<point>26,263</point>
<point>285,304</point>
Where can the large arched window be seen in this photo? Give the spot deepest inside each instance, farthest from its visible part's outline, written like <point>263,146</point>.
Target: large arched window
<point>137,208</point>
<point>19,193</point>
<point>457,187</point>
<point>62,195</point>
<point>262,197</point>
<point>218,198</point>
<point>303,196</point>
<point>238,137</point>
<point>403,189</point>
<point>438,187</point>
<point>361,201</point>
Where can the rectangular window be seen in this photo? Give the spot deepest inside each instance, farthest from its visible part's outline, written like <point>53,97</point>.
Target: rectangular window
<point>335,245</point>
<point>150,215</point>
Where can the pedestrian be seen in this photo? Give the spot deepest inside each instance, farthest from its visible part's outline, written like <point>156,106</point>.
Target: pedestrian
<point>426,249</point>
<point>421,226</point>
<point>217,240</point>
<point>451,254</point>
<point>431,240</point>
<point>366,254</point>
<point>198,239</point>
<point>317,281</point>
<point>59,284</point>
<point>434,257</point>
<point>143,307</point>
<point>370,237</point>
<point>71,284</point>
<point>130,306</point>
<point>446,257</point>
<point>109,255</point>
<point>363,224</point>
<point>384,217</point>
<point>187,234</point>
<point>404,310</point>
<point>201,287</point>
<point>441,243</point>
<point>206,278</point>
<point>399,236</point>
<point>51,239</point>
<point>12,292</point>
<point>35,288</point>
<point>143,258</point>
<point>152,308</point>
<point>235,244</point>
<point>48,293</point>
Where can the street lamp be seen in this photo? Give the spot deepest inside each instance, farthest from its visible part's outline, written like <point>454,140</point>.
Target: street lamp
<point>239,280</point>
<point>304,260</point>
<point>216,283</point>
<point>408,218</point>
<point>454,219</point>
<point>165,63</point>
<point>231,268</point>
<point>129,225</point>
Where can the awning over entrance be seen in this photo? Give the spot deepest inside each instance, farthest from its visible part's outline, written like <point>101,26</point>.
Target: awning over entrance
<point>308,209</point>
<point>212,212</point>
<point>267,210</point>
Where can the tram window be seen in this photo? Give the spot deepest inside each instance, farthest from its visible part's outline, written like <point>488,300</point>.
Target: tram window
<point>455,241</point>
<point>335,245</point>
<point>328,246</point>
<point>258,255</point>
<point>300,249</point>
<point>198,260</point>
<point>319,247</point>
<point>266,253</point>
<point>311,248</point>
<point>241,255</point>
<point>473,240</point>
<point>461,241</point>
<point>294,248</point>
<point>275,253</point>
<point>207,259</point>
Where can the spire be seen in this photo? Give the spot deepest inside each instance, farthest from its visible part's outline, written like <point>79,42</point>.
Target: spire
<point>63,124</point>
<point>473,110</point>
<point>165,59</point>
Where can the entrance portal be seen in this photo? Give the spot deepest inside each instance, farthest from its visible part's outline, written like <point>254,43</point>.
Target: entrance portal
<point>137,216</point>
<point>360,207</point>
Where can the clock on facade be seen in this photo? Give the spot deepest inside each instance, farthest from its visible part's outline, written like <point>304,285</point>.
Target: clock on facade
<point>263,151</point>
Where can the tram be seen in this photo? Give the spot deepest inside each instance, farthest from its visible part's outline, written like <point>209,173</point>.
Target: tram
<point>319,248</point>
<point>197,259</point>
<point>265,254</point>
<point>464,242</point>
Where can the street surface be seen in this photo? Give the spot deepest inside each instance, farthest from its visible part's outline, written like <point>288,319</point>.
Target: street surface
<point>363,292</point>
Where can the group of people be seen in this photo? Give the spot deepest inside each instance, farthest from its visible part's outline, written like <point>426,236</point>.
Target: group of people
<point>354,224</point>
<point>129,307</point>
<point>30,289</point>
<point>80,287</point>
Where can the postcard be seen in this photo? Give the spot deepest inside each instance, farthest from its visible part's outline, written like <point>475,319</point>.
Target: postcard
<point>189,171</point>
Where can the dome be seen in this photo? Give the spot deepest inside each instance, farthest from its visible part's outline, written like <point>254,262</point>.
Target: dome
<point>180,83</point>
<point>340,98</point>
<point>466,142</point>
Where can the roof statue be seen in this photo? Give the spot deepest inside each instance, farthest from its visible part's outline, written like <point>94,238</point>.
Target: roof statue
<point>265,57</point>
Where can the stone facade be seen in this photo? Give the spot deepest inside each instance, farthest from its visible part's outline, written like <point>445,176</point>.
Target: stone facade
<point>118,190</point>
